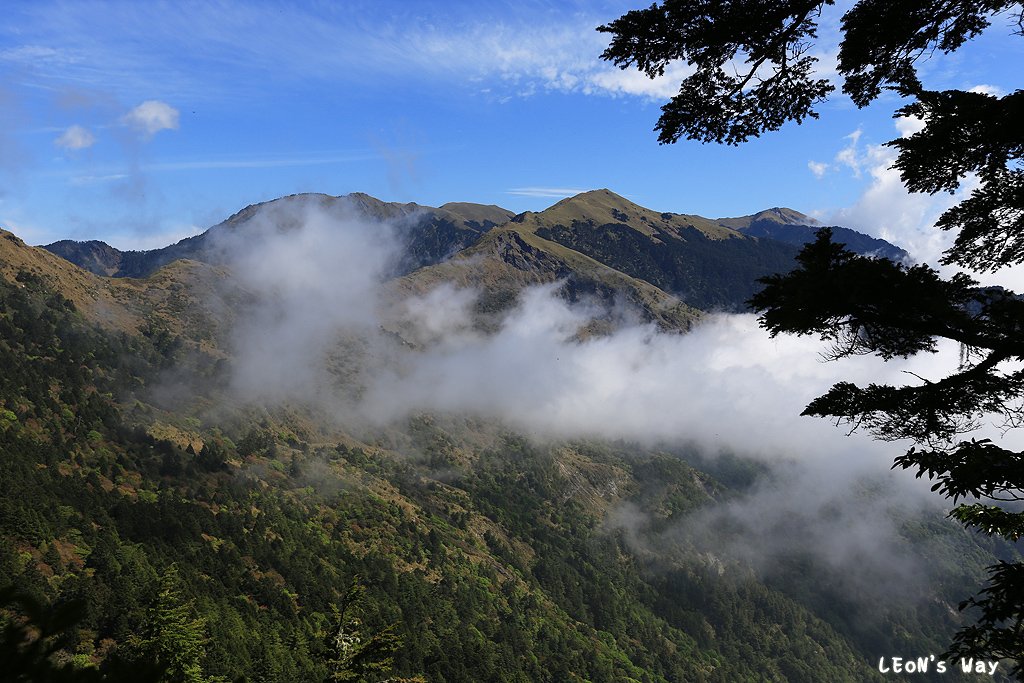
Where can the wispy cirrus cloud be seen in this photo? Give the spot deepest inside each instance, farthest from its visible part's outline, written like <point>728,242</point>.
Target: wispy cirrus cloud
<point>84,180</point>
<point>545,191</point>
<point>221,49</point>
<point>111,175</point>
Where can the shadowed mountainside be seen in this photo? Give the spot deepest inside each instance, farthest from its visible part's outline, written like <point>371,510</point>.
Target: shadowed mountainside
<point>793,227</point>
<point>706,265</point>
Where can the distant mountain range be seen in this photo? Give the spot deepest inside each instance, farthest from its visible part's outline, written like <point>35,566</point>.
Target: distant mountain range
<point>793,227</point>
<point>601,244</point>
<point>434,233</point>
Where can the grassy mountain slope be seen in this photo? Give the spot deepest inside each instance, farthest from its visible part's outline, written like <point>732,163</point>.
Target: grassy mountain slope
<point>705,264</point>
<point>778,215</point>
<point>478,216</point>
<point>600,207</point>
<point>100,299</point>
<point>507,259</point>
<point>187,305</point>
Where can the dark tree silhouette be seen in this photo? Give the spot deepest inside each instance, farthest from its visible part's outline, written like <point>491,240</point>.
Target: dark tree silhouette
<point>30,645</point>
<point>753,73</point>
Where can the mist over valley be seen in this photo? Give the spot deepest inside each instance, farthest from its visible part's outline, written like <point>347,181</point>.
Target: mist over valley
<point>502,426</point>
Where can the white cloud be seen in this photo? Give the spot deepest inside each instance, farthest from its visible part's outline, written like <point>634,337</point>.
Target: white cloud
<point>725,385</point>
<point>75,137</point>
<point>314,287</point>
<point>309,284</point>
<point>984,89</point>
<point>827,66</point>
<point>152,116</point>
<point>849,156</point>
<point>558,192</point>
<point>617,81</point>
<point>241,45</point>
<point>885,208</point>
<point>888,210</point>
<point>560,57</point>
<point>909,125</point>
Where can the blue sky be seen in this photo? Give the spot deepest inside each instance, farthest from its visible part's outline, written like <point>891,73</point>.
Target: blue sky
<point>142,122</point>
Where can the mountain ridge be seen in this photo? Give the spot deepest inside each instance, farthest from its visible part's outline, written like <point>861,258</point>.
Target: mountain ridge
<point>456,225</point>
<point>434,232</point>
<point>670,267</point>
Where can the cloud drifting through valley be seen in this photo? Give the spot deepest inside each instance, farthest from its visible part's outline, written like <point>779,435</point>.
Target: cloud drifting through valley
<point>725,385</point>
<point>316,286</point>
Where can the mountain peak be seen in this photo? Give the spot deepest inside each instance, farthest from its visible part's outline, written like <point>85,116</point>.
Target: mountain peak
<point>785,216</point>
<point>95,256</point>
<point>777,214</point>
<point>601,197</point>
<point>602,207</point>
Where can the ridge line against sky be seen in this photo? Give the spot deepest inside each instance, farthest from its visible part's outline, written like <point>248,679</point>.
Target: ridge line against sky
<point>141,123</point>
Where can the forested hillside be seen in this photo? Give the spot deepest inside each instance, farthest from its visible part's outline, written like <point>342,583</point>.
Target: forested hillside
<point>263,547</point>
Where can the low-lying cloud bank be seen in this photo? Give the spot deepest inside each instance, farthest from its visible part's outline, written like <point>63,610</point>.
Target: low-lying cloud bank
<point>307,278</point>
<point>316,304</point>
<point>725,385</point>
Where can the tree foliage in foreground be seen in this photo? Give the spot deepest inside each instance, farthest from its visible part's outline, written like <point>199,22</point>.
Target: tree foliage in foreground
<point>753,72</point>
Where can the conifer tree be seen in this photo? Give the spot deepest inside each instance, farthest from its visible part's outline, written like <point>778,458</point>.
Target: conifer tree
<point>172,635</point>
<point>356,654</point>
<point>754,72</point>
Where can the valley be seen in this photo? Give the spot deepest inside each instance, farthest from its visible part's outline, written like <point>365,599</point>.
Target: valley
<point>335,438</point>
